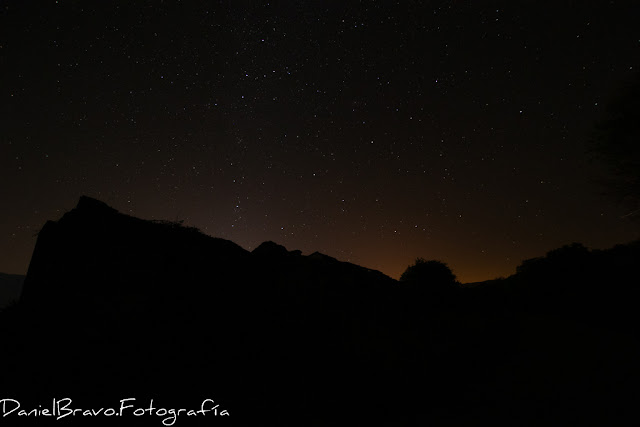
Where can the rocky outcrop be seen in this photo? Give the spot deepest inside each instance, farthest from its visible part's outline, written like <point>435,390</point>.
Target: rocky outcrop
<point>139,299</point>
<point>96,256</point>
<point>271,250</point>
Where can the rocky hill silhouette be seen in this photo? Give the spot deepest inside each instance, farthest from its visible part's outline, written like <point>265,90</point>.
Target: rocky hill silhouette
<point>115,306</point>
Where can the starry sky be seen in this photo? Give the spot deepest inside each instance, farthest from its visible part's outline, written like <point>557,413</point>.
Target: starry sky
<point>374,132</point>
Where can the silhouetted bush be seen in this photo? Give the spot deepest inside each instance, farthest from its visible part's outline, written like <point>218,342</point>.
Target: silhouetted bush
<point>568,260</point>
<point>433,273</point>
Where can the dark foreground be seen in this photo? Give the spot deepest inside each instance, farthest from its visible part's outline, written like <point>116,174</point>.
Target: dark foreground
<point>115,308</point>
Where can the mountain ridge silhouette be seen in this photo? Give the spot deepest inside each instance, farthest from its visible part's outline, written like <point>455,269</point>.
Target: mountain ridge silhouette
<point>115,304</point>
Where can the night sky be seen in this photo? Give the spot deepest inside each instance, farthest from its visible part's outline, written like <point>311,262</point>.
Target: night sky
<point>372,132</point>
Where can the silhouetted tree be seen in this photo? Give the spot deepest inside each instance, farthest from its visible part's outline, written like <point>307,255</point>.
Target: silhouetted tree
<point>616,145</point>
<point>432,272</point>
